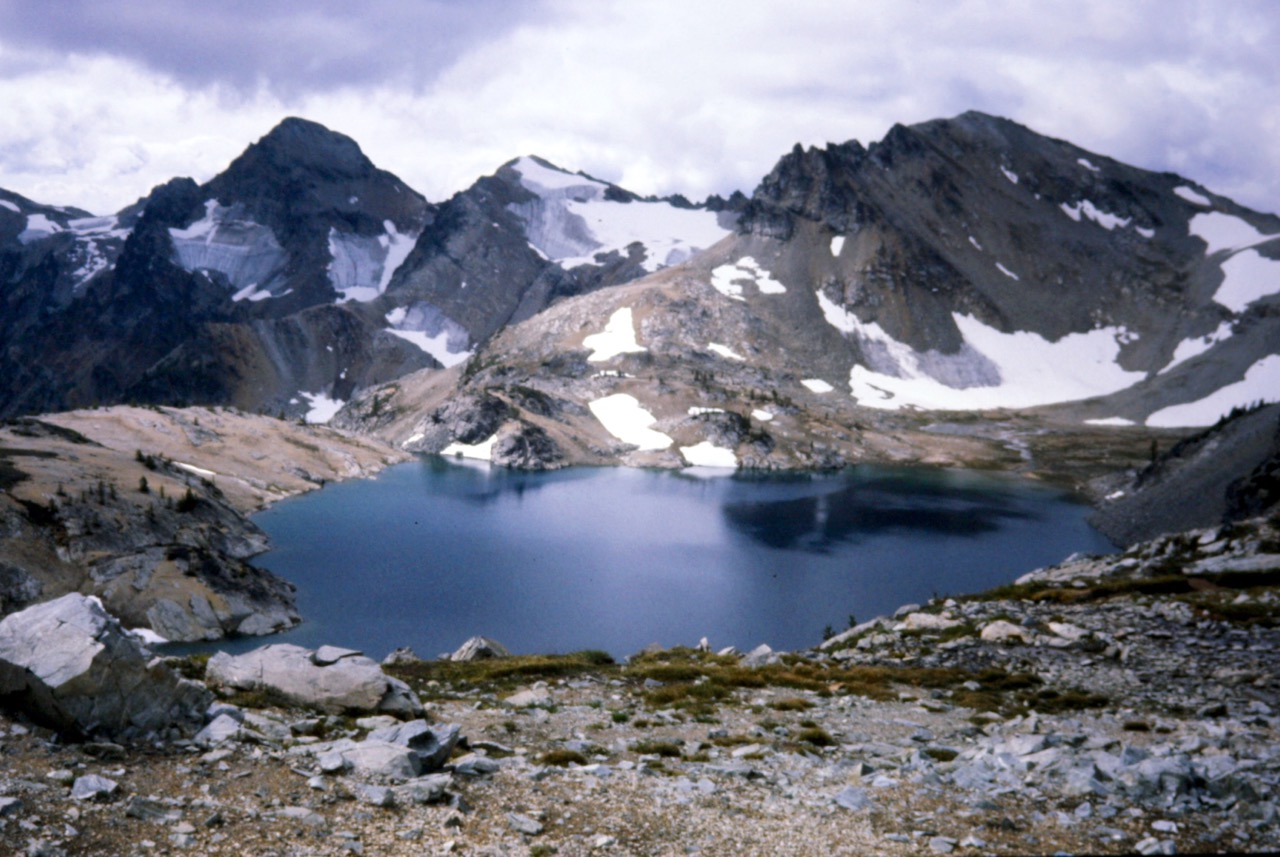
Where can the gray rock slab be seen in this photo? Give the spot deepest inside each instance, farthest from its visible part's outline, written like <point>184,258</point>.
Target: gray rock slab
<point>380,759</point>
<point>479,649</point>
<point>69,663</point>
<point>432,788</point>
<point>350,684</point>
<point>521,823</point>
<point>93,787</point>
<point>852,798</point>
<point>433,744</point>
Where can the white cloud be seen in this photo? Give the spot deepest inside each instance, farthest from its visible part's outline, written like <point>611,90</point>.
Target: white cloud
<point>660,96</point>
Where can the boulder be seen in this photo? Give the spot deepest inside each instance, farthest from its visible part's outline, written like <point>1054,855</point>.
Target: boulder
<point>433,744</point>
<point>928,622</point>
<point>760,656</point>
<point>480,649</point>
<point>401,656</point>
<point>1003,631</point>
<point>353,683</point>
<point>70,664</point>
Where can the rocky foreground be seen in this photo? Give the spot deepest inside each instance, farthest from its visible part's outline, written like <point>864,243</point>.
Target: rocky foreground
<point>1126,704</point>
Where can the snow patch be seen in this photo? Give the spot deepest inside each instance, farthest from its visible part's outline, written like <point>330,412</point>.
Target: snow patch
<point>1191,195</point>
<point>696,411</point>
<point>38,226</point>
<point>252,293</point>
<point>571,221</point>
<point>1225,232</point>
<point>1104,219</point>
<point>361,266</point>
<point>618,337</point>
<point>1247,276</point>
<point>1109,421</point>
<point>322,407</point>
<point>722,280</point>
<point>624,418</point>
<point>1010,274</point>
<point>991,370</point>
<point>482,451</point>
<point>724,351</point>
<point>431,331</point>
<point>1009,174</point>
<point>106,226</point>
<point>817,385</point>
<point>1145,232</point>
<point>974,242</point>
<point>198,471</point>
<point>1197,345</point>
<point>1084,162</point>
<point>1260,383</point>
<point>147,636</point>
<point>761,415</point>
<point>837,244</point>
<point>543,180</point>
<point>707,454</point>
<point>4,203</point>
<point>728,279</point>
<point>227,241</point>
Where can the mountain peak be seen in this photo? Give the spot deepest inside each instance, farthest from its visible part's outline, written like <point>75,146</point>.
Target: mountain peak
<point>302,142</point>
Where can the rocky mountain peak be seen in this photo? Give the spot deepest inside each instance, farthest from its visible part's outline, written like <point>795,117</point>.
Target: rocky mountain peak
<point>809,183</point>
<point>301,142</point>
<point>303,176</point>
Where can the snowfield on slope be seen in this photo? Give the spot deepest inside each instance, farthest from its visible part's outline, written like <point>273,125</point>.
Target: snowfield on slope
<point>1260,383</point>
<point>225,240</point>
<point>322,408</point>
<point>618,337</point>
<point>707,454</point>
<point>572,221</point>
<point>427,328</point>
<point>361,267</point>
<point>482,451</point>
<point>728,279</point>
<point>992,370</point>
<point>624,418</point>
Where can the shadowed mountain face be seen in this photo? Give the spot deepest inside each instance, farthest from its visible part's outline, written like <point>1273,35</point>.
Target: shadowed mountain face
<point>296,276</point>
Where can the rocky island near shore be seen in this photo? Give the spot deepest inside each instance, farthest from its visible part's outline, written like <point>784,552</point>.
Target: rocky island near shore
<point>1119,704</point>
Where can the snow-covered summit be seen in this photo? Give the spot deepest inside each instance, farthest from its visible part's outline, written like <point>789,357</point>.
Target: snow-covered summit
<point>574,218</point>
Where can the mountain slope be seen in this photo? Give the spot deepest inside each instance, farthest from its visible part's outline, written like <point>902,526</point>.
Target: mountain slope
<point>957,265</point>
<point>296,276</point>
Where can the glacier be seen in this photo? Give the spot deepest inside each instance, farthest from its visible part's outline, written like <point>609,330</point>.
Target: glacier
<point>361,267</point>
<point>227,241</point>
<point>571,221</point>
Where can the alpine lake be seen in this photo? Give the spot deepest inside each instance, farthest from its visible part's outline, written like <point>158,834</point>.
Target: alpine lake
<point>433,552</point>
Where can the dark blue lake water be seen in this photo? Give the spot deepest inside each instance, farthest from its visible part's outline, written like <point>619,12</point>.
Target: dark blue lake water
<point>432,552</point>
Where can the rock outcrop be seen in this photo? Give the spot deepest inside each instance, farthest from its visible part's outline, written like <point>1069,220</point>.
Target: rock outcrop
<point>349,682</point>
<point>69,663</point>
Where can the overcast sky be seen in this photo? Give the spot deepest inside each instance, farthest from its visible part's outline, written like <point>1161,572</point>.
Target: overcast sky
<point>100,101</point>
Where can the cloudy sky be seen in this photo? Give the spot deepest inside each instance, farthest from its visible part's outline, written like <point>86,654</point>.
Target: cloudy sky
<point>101,101</point>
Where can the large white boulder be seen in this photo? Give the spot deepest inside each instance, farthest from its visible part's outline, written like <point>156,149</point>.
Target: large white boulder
<point>337,683</point>
<point>70,664</point>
